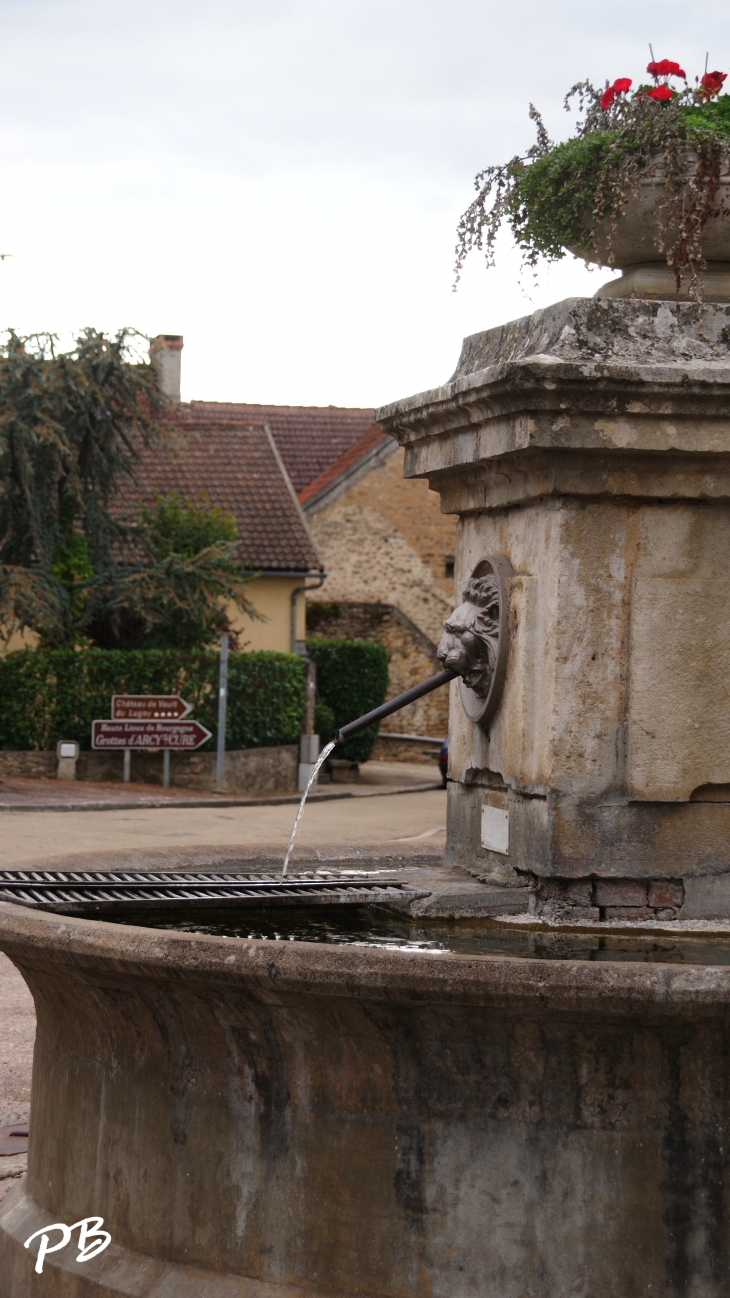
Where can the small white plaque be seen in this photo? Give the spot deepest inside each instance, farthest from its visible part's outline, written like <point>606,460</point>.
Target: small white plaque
<point>68,750</point>
<point>495,829</point>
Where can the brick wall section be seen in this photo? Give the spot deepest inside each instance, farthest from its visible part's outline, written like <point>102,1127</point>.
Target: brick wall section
<point>412,658</point>
<point>384,540</point>
<point>608,899</point>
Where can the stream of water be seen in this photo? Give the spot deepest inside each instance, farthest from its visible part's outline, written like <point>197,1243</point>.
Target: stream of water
<point>315,772</point>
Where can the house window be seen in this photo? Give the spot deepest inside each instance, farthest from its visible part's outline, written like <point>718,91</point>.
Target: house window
<point>448,565</point>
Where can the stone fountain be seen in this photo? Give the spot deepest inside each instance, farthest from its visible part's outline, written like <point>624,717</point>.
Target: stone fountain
<point>589,444</point>
<point>292,1120</point>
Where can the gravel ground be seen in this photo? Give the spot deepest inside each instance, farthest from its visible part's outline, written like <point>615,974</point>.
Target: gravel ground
<point>17,1017</point>
<point>22,793</point>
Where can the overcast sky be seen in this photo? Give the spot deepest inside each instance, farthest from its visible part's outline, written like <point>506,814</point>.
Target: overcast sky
<point>280,180</point>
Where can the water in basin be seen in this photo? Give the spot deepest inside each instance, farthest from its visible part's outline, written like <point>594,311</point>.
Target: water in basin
<point>374,927</point>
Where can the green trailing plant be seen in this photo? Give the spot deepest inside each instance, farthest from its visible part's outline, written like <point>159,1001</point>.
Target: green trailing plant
<point>555,196</point>
<point>72,427</point>
<point>352,678</point>
<point>45,697</point>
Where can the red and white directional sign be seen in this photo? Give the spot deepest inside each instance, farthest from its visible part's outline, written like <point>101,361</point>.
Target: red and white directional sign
<point>149,707</point>
<point>148,734</point>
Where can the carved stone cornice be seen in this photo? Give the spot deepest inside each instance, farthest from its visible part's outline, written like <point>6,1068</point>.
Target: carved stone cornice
<point>586,396</point>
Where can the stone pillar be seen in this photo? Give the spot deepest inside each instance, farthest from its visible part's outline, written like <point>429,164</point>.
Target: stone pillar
<point>67,752</point>
<point>590,445</point>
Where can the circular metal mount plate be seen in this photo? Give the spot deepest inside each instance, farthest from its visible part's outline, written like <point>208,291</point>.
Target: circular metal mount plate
<point>481,710</point>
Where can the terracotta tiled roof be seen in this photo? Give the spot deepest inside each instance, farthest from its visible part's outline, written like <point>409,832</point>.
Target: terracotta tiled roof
<point>349,458</point>
<point>236,466</point>
<point>308,438</point>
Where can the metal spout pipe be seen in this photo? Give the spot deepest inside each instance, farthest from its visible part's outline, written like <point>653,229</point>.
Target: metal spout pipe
<point>394,705</point>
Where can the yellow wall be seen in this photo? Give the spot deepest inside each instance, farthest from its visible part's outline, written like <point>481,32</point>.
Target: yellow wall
<point>28,640</point>
<point>271,596</point>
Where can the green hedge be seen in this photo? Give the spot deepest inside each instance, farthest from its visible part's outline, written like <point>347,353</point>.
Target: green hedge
<point>352,678</point>
<point>47,696</point>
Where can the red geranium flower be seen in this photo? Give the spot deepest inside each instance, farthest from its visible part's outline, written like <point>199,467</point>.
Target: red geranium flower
<point>712,82</point>
<point>656,92</point>
<point>665,68</point>
<point>619,86</point>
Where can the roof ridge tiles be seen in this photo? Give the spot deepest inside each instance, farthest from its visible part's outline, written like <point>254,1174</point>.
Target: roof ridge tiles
<point>308,438</point>
<point>264,405</point>
<point>357,451</point>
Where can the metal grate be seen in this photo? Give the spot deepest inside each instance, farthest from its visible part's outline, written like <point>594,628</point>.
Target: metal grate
<point>77,892</point>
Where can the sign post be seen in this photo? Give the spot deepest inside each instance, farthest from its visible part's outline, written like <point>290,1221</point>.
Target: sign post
<point>147,721</point>
<point>183,736</point>
<point>149,707</point>
<point>220,759</point>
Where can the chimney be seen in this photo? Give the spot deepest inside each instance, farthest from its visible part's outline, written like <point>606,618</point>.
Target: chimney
<point>165,352</point>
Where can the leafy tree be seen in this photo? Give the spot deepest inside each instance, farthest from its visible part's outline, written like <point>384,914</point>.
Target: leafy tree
<point>176,526</point>
<point>72,426</point>
<point>174,598</point>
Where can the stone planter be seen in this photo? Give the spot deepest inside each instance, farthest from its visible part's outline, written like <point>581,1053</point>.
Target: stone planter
<point>645,269</point>
<point>260,1121</point>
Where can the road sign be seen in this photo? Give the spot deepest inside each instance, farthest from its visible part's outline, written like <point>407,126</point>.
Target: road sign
<point>149,707</point>
<point>186,735</point>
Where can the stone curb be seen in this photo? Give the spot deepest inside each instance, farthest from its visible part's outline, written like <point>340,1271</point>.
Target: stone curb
<point>156,803</point>
<point>699,928</point>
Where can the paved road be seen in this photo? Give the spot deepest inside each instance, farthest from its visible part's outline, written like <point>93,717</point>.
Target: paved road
<point>377,819</point>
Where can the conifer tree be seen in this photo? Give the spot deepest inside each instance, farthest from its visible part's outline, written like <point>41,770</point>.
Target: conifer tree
<point>72,427</point>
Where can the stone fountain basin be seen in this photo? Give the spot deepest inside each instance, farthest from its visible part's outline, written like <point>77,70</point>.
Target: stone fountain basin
<point>257,1119</point>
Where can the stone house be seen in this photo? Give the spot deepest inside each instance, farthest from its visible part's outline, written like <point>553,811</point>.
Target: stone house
<point>382,541</point>
<point>236,466</point>
<point>388,553</point>
<point>315,489</point>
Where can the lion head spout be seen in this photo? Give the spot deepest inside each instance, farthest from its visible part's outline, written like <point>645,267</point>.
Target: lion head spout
<point>470,640</point>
